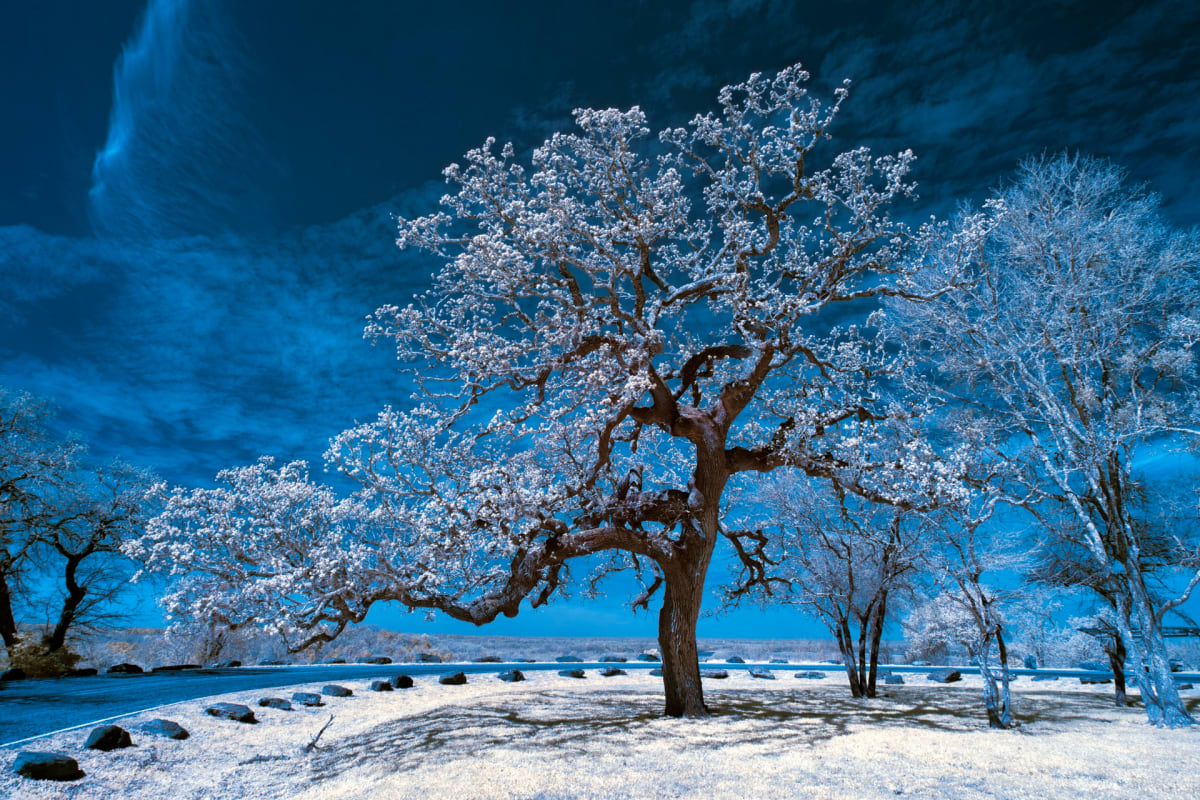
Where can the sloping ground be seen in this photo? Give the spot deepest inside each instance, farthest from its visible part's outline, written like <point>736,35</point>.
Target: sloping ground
<point>554,737</point>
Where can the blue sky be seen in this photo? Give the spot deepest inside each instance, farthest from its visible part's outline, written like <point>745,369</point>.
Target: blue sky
<point>194,298</point>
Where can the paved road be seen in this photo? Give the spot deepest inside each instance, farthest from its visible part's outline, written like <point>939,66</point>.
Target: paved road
<point>34,708</point>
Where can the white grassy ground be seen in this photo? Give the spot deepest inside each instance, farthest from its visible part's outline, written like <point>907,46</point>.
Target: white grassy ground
<point>555,737</point>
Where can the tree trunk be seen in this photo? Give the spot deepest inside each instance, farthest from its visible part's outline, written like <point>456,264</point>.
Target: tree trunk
<point>677,641</point>
<point>846,647</point>
<point>877,621</point>
<point>8,625</point>
<point>70,605</point>
<point>1148,652</point>
<point>1116,658</point>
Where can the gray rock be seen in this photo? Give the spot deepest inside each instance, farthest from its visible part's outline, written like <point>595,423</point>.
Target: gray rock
<point>276,703</point>
<point>569,660</point>
<point>108,737</point>
<point>613,659</point>
<point>125,669</point>
<point>512,676</point>
<point>14,674</point>
<point>381,686</point>
<point>229,664</point>
<point>648,657</point>
<point>377,660</point>
<point>335,690</point>
<point>1045,677</point>
<point>715,674</point>
<point>307,699</point>
<point>525,660</point>
<point>735,660</point>
<point>402,682</point>
<point>612,672</point>
<point>334,661</point>
<point>271,663</point>
<point>1095,681</point>
<point>453,679</point>
<point>83,672</point>
<point>572,673</point>
<point>47,766</point>
<point>656,672</point>
<point>945,676</point>
<point>810,675</point>
<point>175,667</point>
<point>232,711</point>
<point>488,660</point>
<point>1184,686</point>
<point>429,658</point>
<point>892,679</point>
<point>764,674</point>
<point>167,728</point>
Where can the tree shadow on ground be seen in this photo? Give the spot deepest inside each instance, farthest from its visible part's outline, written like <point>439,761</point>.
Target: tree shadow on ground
<point>569,723</point>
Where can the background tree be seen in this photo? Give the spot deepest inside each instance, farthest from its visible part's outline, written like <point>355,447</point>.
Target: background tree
<point>31,463</point>
<point>848,560</point>
<point>1077,333</point>
<point>615,332</point>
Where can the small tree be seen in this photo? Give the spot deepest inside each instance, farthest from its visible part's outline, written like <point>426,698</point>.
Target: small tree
<point>615,333</point>
<point>846,559</point>
<point>1077,334</point>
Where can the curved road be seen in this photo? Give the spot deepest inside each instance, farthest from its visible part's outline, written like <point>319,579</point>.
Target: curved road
<point>33,708</point>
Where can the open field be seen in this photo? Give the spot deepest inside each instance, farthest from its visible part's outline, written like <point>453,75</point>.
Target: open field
<point>556,737</point>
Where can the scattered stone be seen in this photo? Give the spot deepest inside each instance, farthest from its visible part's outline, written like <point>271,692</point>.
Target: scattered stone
<point>811,675</point>
<point>429,658</point>
<point>488,660</point>
<point>377,660</point>
<point>1095,681</point>
<point>656,672</point>
<point>83,672</point>
<point>275,702</point>
<point>233,711</point>
<point>1031,662</point>
<point>1045,677</point>
<point>175,667</point>
<point>569,660</point>
<point>572,673</point>
<point>764,674</point>
<point>454,679</point>
<point>648,657</point>
<point>945,676</point>
<point>271,663</point>
<point>108,737</point>
<point>525,660</point>
<point>125,669</point>
<point>613,659</point>
<point>612,672</point>
<point>307,699</point>
<point>512,676</point>
<point>167,728</point>
<point>334,661</point>
<point>402,682</point>
<point>893,679</point>
<point>14,674</point>
<point>47,766</point>
<point>335,690</point>
<point>715,674</point>
<point>735,660</point>
<point>230,664</point>
<point>1183,686</point>
<point>381,686</point>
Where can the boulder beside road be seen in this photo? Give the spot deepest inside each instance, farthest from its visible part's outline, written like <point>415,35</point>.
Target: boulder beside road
<point>232,711</point>
<point>945,676</point>
<point>108,737</point>
<point>47,766</point>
